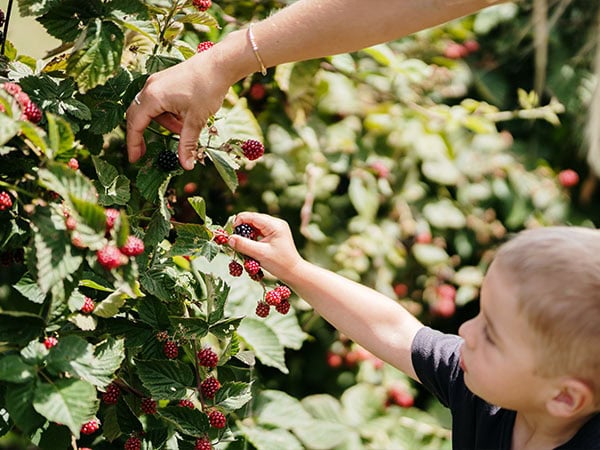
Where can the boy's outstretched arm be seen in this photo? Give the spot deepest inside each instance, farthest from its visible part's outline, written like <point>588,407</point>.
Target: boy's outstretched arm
<point>369,318</point>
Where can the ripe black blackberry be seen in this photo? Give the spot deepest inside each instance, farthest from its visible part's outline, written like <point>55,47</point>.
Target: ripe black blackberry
<point>167,160</point>
<point>246,230</point>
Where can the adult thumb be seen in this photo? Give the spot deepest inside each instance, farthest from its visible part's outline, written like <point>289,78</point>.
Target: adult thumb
<point>245,246</point>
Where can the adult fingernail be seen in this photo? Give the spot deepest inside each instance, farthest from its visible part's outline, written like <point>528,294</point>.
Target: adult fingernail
<point>190,162</point>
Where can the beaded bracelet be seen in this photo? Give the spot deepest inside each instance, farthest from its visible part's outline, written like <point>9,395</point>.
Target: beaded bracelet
<point>263,69</point>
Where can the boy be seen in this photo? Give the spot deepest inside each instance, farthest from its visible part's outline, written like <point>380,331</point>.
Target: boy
<point>524,373</point>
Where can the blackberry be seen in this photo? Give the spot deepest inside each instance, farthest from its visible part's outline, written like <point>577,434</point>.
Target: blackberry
<point>253,149</point>
<point>262,309</point>
<point>283,307</point>
<point>246,230</point>
<point>209,387</point>
<point>167,160</point>
<point>207,357</point>
<point>133,443</point>
<point>235,269</point>
<point>217,419</point>
<point>111,396</point>
<point>149,406</point>
<point>203,444</point>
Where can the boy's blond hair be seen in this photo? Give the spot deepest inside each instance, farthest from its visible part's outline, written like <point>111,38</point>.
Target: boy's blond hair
<point>556,271</point>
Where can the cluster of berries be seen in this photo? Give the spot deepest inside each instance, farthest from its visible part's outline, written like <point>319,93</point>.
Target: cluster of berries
<point>5,201</point>
<point>203,46</point>
<point>112,394</point>
<point>202,5</point>
<point>278,297</point>
<point>90,427</point>
<point>133,443</point>
<point>29,110</point>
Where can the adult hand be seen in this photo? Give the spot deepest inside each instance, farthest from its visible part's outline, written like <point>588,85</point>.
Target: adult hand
<point>181,99</point>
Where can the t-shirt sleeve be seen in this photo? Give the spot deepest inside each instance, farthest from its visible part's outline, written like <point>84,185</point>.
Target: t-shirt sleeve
<point>436,358</point>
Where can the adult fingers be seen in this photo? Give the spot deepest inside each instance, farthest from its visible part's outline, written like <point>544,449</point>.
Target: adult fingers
<point>137,121</point>
<point>188,141</point>
<point>170,121</point>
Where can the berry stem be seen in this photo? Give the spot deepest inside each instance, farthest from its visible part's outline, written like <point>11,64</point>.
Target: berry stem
<point>17,189</point>
<point>165,26</point>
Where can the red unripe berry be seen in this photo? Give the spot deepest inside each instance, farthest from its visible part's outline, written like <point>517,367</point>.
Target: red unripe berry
<point>262,309</point>
<point>203,444</point>
<point>133,443</point>
<point>235,269</point>
<point>12,88</point>
<point>444,307</point>
<point>273,298</point>
<point>202,5</point>
<point>5,201</point>
<point>111,217</point>
<point>149,406</point>
<point>32,112</point>
<point>110,257</point>
<point>186,404</point>
<point>111,396</point>
<point>401,290</point>
<point>203,46</point>
<point>380,169</point>
<point>209,387</point>
<point>90,427</point>
<point>221,237</point>
<point>70,223</point>
<point>134,246</point>
<point>252,266</point>
<point>455,51</point>
<point>471,45</point>
<point>171,350</point>
<point>88,306</point>
<point>50,342</point>
<point>283,307</point>
<point>207,357</point>
<point>334,360</point>
<point>257,91</point>
<point>217,419</point>
<point>253,149</point>
<point>284,291</point>
<point>190,188</point>
<point>446,292</point>
<point>568,178</point>
<point>73,164</point>
<point>400,397</point>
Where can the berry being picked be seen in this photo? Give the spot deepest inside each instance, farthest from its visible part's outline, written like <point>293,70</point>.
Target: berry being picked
<point>133,443</point>
<point>111,396</point>
<point>273,297</point>
<point>90,427</point>
<point>111,217</point>
<point>246,230</point>
<point>110,257</point>
<point>253,149</point>
<point>5,201</point>
<point>221,237</point>
<point>171,350</point>
<point>203,444</point>
<point>252,266</point>
<point>167,160</point>
<point>209,387</point>
<point>203,46</point>
<point>73,164</point>
<point>50,342</point>
<point>283,307</point>
<point>235,269</point>
<point>284,291</point>
<point>262,309</point>
<point>207,357</point>
<point>134,246</point>
<point>32,112</point>
<point>217,419</point>
<point>149,406</point>
<point>186,404</point>
<point>202,5</point>
<point>88,306</point>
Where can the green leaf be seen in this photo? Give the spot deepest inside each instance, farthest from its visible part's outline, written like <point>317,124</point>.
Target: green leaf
<point>264,342</point>
<point>200,18</point>
<point>60,135</point>
<point>35,7</point>
<point>19,404</point>
<point>20,327</point>
<point>156,63</point>
<point>190,327</point>
<point>14,370</point>
<point>167,380</point>
<point>287,329</point>
<point>67,182</point>
<point>192,422</point>
<point>112,187</point>
<point>119,420</point>
<point>55,436</point>
<point>233,396</point>
<point>8,128</point>
<point>444,214</point>
<point>66,401</point>
<point>226,167</point>
<point>35,135</point>
<point>154,313</point>
<point>269,439</point>
<point>199,205</point>
<point>225,329</point>
<point>191,238</point>
<point>97,54</point>
<point>30,290</point>
<point>91,214</point>
<point>149,181</point>
<point>157,230</point>
<point>84,322</point>
<point>110,306</point>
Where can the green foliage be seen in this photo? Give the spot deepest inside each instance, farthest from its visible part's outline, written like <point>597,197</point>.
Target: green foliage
<point>388,173</point>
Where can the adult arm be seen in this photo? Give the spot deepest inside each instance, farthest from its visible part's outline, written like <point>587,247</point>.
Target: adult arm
<point>183,97</point>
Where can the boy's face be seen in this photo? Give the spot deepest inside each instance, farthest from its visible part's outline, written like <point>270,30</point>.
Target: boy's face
<point>498,353</point>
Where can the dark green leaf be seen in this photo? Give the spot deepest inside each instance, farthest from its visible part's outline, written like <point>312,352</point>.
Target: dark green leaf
<point>191,327</point>
<point>226,328</point>
<point>64,18</point>
<point>199,205</point>
<point>29,289</point>
<point>220,291</point>
<point>233,396</point>
<point>35,7</point>
<point>60,135</point>
<point>20,327</point>
<point>191,238</point>
<point>19,401</point>
<point>154,313</point>
<point>157,230</point>
<point>55,436</point>
<point>92,214</point>
<point>192,422</point>
<point>226,167</point>
<point>156,63</point>
<point>149,181</point>
<point>66,401</point>
<point>8,128</point>
<point>165,379</point>
<point>14,370</point>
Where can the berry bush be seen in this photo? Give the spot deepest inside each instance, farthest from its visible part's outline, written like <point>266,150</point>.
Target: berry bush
<point>125,319</point>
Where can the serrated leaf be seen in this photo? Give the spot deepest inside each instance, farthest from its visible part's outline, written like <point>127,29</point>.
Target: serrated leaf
<point>29,289</point>
<point>20,327</point>
<point>156,63</point>
<point>119,420</point>
<point>226,167</point>
<point>19,404</point>
<point>190,327</point>
<point>200,18</point>
<point>35,7</point>
<point>167,380</point>
<point>149,181</point>
<point>263,340</point>
<point>199,205</point>
<point>226,328</point>
<point>93,215</point>
<point>287,329</point>
<point>66,182</point>
<point>109,307</point>
<point>191,238</point>
<point>233,396</point>
<point>83,321</point>
<point>97,54</point>
<point>157,230</point>
<point>154,313</point>
<point>14,370</point>
<point>66,401</point>
<point>60,136</point>
<point>192,422</point>
<point>35,135</point>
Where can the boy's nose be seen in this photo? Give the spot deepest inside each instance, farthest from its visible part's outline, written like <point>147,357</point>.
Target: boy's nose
<point>466,331</point>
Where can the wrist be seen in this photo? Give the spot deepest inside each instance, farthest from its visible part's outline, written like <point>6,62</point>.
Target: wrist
<point>235,56</point>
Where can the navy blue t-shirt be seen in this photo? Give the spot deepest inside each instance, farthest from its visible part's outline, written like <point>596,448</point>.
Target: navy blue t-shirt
<point>476,425</point>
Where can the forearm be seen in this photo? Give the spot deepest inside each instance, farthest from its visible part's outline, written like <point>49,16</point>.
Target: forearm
<point>314,28</point>
<point>376,322</point>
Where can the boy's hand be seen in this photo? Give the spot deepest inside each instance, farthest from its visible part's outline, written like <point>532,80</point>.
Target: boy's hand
<point>275,251</point>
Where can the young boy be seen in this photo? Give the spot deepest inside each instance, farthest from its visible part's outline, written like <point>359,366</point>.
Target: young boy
<point>524,373</point>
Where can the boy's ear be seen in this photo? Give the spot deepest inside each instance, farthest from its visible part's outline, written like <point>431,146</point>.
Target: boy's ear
<point>571,397</point>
